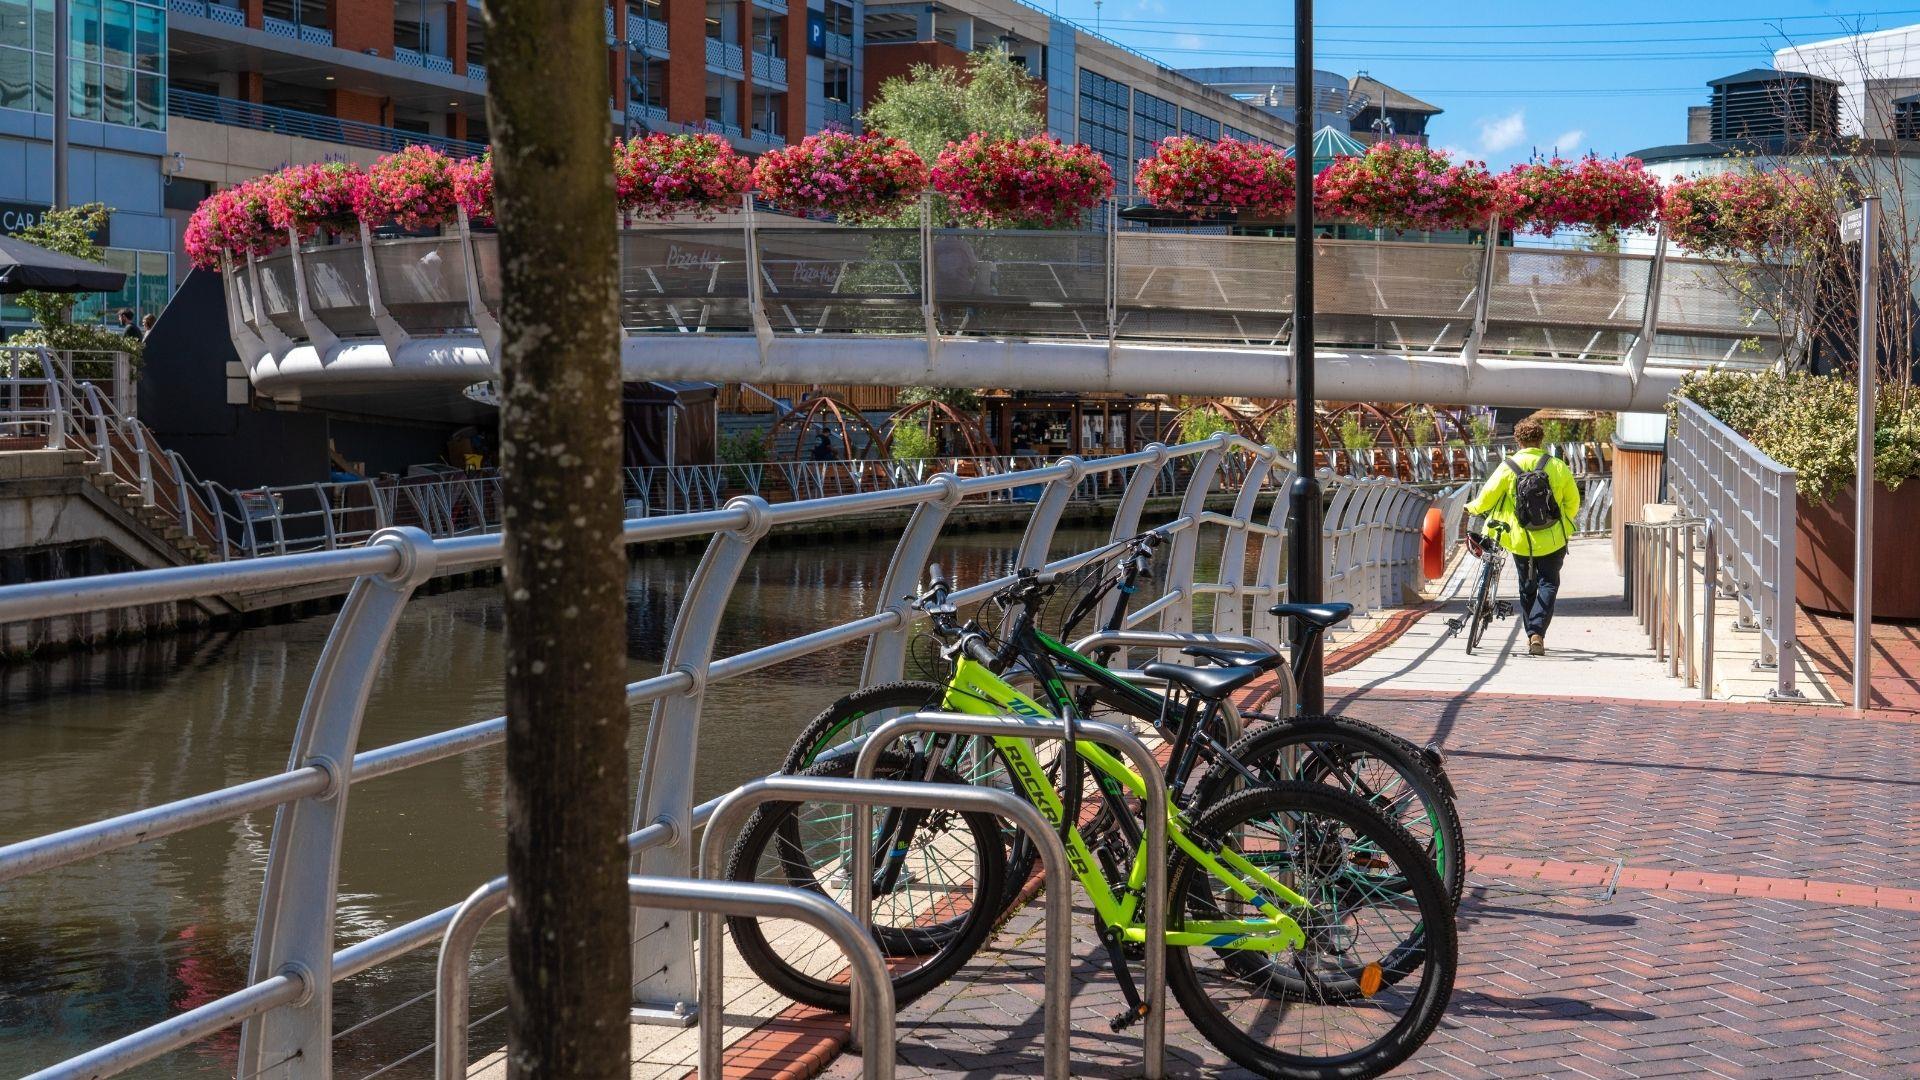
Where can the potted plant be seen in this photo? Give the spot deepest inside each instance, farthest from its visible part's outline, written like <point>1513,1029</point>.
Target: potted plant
<point>842,175</point>
<point>1036,182</point>
<point>1407,187</point>
<point>1196,179</point>
<point>663,175</point>
<point>412,189</point>
<point>1606,196</point>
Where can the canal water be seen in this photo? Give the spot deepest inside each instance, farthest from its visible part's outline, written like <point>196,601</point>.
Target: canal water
<point>98,950</point>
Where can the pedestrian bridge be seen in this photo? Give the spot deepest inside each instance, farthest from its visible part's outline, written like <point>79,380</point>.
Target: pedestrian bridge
<point>772,299</point>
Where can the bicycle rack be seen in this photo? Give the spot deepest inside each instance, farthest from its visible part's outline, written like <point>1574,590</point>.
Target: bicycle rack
<point>681,894</point>
<point>1156,808</point>
<point>862,795</point>
<point>1180,639</point>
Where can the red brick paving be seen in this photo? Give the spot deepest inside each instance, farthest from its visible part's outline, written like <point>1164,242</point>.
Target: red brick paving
<point>1828,644</point>
<point>1657,890</point>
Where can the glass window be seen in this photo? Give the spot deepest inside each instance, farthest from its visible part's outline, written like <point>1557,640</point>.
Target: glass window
<point>838,84</point>
<point>16,23</point>
<point>150,107</point>
<point>16,79</point>
<point>85,15</point>
<point>149,38</point>
<point>1104,107</point>
<point>43,26</point>
<point>1153,119</point>
<point>117,96</point>
<point>116,32</point>
<point>1200,127</point>
<point>43,82</point>
<point>83,90</point>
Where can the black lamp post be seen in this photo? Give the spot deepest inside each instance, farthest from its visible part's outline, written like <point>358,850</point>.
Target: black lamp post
<point>1303,506</point>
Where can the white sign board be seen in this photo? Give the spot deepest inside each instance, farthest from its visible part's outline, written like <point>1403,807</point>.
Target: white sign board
<point>1850,226</point>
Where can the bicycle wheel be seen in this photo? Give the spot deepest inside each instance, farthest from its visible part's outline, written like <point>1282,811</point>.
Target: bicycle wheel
<point>848,720</point>
<point>1363,760</point>
<point>1480,608</point>
<point>942,901</point>
<point>1324,1009</point>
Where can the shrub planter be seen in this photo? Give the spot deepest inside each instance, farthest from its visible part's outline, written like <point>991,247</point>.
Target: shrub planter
<point>1824,551</point>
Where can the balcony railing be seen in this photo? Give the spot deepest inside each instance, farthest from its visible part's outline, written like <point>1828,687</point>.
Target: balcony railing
<point>771,139</point>
<point>220,13</point>
<point>476,71</point>
<point>778,7</point>
<point>770,69</point>
<point>316,35</point>
<point>191,105</point>
<point>840,114</point>
<point>608,23</point>
<point>726,58</point>
<point>639,113</point>
<point>409,57</point>
<point>648,33</point>
<point>839,46</point>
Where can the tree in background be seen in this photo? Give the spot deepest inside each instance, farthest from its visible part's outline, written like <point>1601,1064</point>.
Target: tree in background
<point>69,232</point>
<point>567,795</point>
<point>930,107</point>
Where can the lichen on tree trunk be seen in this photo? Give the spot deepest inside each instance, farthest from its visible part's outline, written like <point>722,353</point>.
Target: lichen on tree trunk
<point>567,719</point>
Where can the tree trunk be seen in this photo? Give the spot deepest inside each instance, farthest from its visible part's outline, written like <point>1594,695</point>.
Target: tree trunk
<point>567,774</point>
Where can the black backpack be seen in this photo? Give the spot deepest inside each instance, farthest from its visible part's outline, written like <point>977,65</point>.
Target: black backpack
<point>1534,506</point>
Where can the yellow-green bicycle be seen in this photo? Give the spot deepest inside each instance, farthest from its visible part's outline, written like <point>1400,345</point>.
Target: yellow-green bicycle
<point>1308,935</point>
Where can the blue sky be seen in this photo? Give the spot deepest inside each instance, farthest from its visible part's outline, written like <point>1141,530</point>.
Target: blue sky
<point>1580,75</point>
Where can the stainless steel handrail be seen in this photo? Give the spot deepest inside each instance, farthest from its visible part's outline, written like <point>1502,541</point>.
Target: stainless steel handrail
<point>1155,808</point>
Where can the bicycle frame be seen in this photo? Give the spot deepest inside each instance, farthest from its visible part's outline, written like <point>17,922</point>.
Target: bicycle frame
<point>976,690</point>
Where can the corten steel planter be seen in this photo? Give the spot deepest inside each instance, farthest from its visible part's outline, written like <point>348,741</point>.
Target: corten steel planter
<point>1824,549</point>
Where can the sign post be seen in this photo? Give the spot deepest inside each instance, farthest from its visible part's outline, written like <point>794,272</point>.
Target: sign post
<point>1862,226</point>
<point>1303,501</point>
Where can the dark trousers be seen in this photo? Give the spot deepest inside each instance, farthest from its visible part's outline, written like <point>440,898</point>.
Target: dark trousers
<point>1539,587</point>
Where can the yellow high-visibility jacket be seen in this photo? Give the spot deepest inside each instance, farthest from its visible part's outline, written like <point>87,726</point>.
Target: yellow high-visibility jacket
<point>1495,502</point>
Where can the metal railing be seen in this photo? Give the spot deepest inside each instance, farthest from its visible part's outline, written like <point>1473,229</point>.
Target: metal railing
<point>192,105</point>
<point>1749,504</point>
<point>767,275</point>
<point>44,404</point>
<point>285,1008</point>
<point>1661,565</point>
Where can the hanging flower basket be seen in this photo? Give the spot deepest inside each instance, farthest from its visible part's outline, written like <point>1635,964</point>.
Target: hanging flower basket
<point>1407,187</point>
<point>412,189</point>
<point>1544,197</point>
<point>316,197</point>
<point>1753,215</point>
<point>473,188</point>
<point>1194,178</point>
<point>838,174</point>
<point>663,175</point>
<point>1038,182</point>
<point>233,223</point>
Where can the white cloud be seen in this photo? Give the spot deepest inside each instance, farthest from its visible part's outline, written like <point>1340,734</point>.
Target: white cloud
<point>1457,153</point>
<point>1149,7</point>
<point>1571,142</point>
<point>1190,41</point>
<point>1500,132</point>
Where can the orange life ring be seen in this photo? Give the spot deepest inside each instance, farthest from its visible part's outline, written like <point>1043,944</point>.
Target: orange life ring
<point>1433,543</point>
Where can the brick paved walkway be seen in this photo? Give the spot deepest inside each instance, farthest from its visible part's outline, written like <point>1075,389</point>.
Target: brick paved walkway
<point>1828,643</point>
<point>1658,890</point>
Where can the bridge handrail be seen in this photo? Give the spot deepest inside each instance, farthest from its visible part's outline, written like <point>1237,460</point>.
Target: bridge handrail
<point>284,1008</point>
<point>1750,504</point>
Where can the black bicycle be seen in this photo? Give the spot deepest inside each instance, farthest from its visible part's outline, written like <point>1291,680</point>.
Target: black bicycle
<point>1482,606</point>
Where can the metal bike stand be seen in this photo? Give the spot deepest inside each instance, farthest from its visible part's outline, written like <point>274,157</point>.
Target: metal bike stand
<point>862,795</point>
<point>1155,806</point>
<point>1180,639</point>
<point>869,968</point>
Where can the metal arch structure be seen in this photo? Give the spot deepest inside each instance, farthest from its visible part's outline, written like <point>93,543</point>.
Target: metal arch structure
<point>858,439</point>
<point>938,416</point>
<point>284,1012</point>
<point>1135,312</point>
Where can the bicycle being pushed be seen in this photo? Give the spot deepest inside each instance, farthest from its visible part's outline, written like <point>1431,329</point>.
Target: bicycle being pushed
<point>1482,605</point>
<point>1309,935</point>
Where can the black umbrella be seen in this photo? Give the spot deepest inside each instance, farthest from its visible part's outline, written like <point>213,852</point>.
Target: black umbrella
<point>27,268</point>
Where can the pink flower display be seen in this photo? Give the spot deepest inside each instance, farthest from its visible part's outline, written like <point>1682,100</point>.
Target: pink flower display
<point>1546,196</point>
<point>1036,182</point>
<point>320,196</point>
<point>662,175</point>
<point>840,174</point>
<point>412,189</point>
<point>1188,176</point>
<point>1405,186</point>
<point>473,188</point>
<point>235,222</point>
<point>1755,215</point>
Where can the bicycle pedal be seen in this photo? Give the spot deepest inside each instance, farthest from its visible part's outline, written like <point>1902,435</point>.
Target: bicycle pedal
<point>1128,1018</point>
<point>1503,608</point>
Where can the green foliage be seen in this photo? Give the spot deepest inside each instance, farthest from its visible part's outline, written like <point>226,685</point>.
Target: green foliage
<point>912,442</point>
<point>1809,424</point>
<point>1279,433</point>
<point>1554,432</point>
<point>1603,428</point>
<point>80,337</point>
<point>69,232</point>
<point>1203,424</point>
<point>959,399</point>
<point>930,107</point>
<point>1421,428</point>
<point>1479,432</point>
<point>1354,433</point>
<point>742,447</point>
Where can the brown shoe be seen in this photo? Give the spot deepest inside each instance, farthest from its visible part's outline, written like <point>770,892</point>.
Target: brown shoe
<point>1536,645</point>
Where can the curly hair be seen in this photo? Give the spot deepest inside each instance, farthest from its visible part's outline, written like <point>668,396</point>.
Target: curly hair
<point>1529,432</point>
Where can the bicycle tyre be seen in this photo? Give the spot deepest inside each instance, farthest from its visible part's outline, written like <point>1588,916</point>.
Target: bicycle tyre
<point>1480,609</point>
<point>941,949</point>
<point>1263,749</point>
<point>1207,1005</point>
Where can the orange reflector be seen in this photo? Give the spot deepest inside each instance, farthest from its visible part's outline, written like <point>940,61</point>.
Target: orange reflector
<point>1370,979</point>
